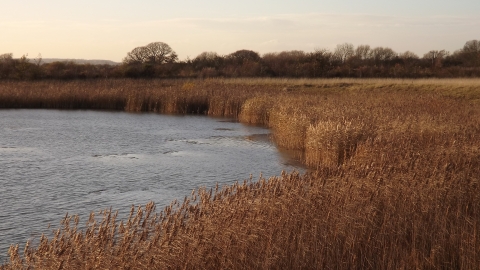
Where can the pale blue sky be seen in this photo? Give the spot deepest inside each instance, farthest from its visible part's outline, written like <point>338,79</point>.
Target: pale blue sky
<point>107,29</point>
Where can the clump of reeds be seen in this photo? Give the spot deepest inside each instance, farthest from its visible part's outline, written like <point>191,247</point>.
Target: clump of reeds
<point>289,125</point>
<point>330,144</point>
<point>256,110</point>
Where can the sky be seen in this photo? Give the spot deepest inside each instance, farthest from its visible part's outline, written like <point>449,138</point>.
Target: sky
<point>108,29</point>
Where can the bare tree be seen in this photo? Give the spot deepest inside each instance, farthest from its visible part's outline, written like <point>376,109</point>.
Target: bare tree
<point>322,53</point>
<point>38,60</point>
<point>6,57</point>
<point>472,46</point>
<point>159,52</point>
<point>321,59</point>
<point>382,54</point>
<point>343,52</point>
<point>207,59</point>
<point>22,66</point>
<point>207,56</point>
<point>155,52</point>
<point>137,55</point>
<point>471,52</point>
<point>244,55</point>
<point>435,57</point>
<point>408,55</point>
<point>294,55</point>
<point>362,52</point>
<point>408,58</point>
<point>6,65</point>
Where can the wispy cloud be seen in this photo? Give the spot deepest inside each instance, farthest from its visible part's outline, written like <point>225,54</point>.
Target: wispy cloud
<point>190,36</point>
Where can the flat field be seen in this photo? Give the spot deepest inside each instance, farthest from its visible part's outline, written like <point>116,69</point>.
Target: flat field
<point>394,181</point>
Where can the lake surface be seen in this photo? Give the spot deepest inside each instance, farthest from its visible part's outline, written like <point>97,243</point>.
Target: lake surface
<point>56,162</point>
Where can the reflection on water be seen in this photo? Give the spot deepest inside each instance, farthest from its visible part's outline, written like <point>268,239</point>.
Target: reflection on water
<point>54,162</point>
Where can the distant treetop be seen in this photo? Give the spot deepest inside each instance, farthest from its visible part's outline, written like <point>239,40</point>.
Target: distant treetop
<point>154,53</point>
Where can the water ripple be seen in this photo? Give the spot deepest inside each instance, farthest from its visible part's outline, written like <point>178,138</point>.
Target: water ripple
<point>57,162</point>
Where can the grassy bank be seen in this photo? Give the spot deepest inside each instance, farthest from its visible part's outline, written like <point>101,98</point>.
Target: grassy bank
<point>397,166</point>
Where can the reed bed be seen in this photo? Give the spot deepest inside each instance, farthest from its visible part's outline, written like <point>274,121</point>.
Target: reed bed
<point>159,96</point>
<point>394,181</point>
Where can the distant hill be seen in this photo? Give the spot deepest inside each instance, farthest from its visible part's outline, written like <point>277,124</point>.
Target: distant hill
<point>80,61</point>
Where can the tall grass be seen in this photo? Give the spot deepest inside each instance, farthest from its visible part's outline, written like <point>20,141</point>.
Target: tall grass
<point>394,181</point>
<point>161,96</point>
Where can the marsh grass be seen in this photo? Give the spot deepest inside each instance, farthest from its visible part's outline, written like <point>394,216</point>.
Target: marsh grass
<point>394,181</point>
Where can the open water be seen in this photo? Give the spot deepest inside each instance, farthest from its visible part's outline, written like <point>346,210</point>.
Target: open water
<point>57,162</point>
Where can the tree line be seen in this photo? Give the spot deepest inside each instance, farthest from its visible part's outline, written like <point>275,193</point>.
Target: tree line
<point>159,60</point>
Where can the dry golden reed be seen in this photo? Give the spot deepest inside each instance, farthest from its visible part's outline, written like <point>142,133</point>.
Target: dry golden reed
<point>394,181</point>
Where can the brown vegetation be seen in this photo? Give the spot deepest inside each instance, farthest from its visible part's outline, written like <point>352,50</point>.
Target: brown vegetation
<point>158,60</point>
<point>395,183</point>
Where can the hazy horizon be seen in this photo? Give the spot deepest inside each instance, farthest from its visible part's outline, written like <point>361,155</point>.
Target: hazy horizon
<point>107,30</point>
